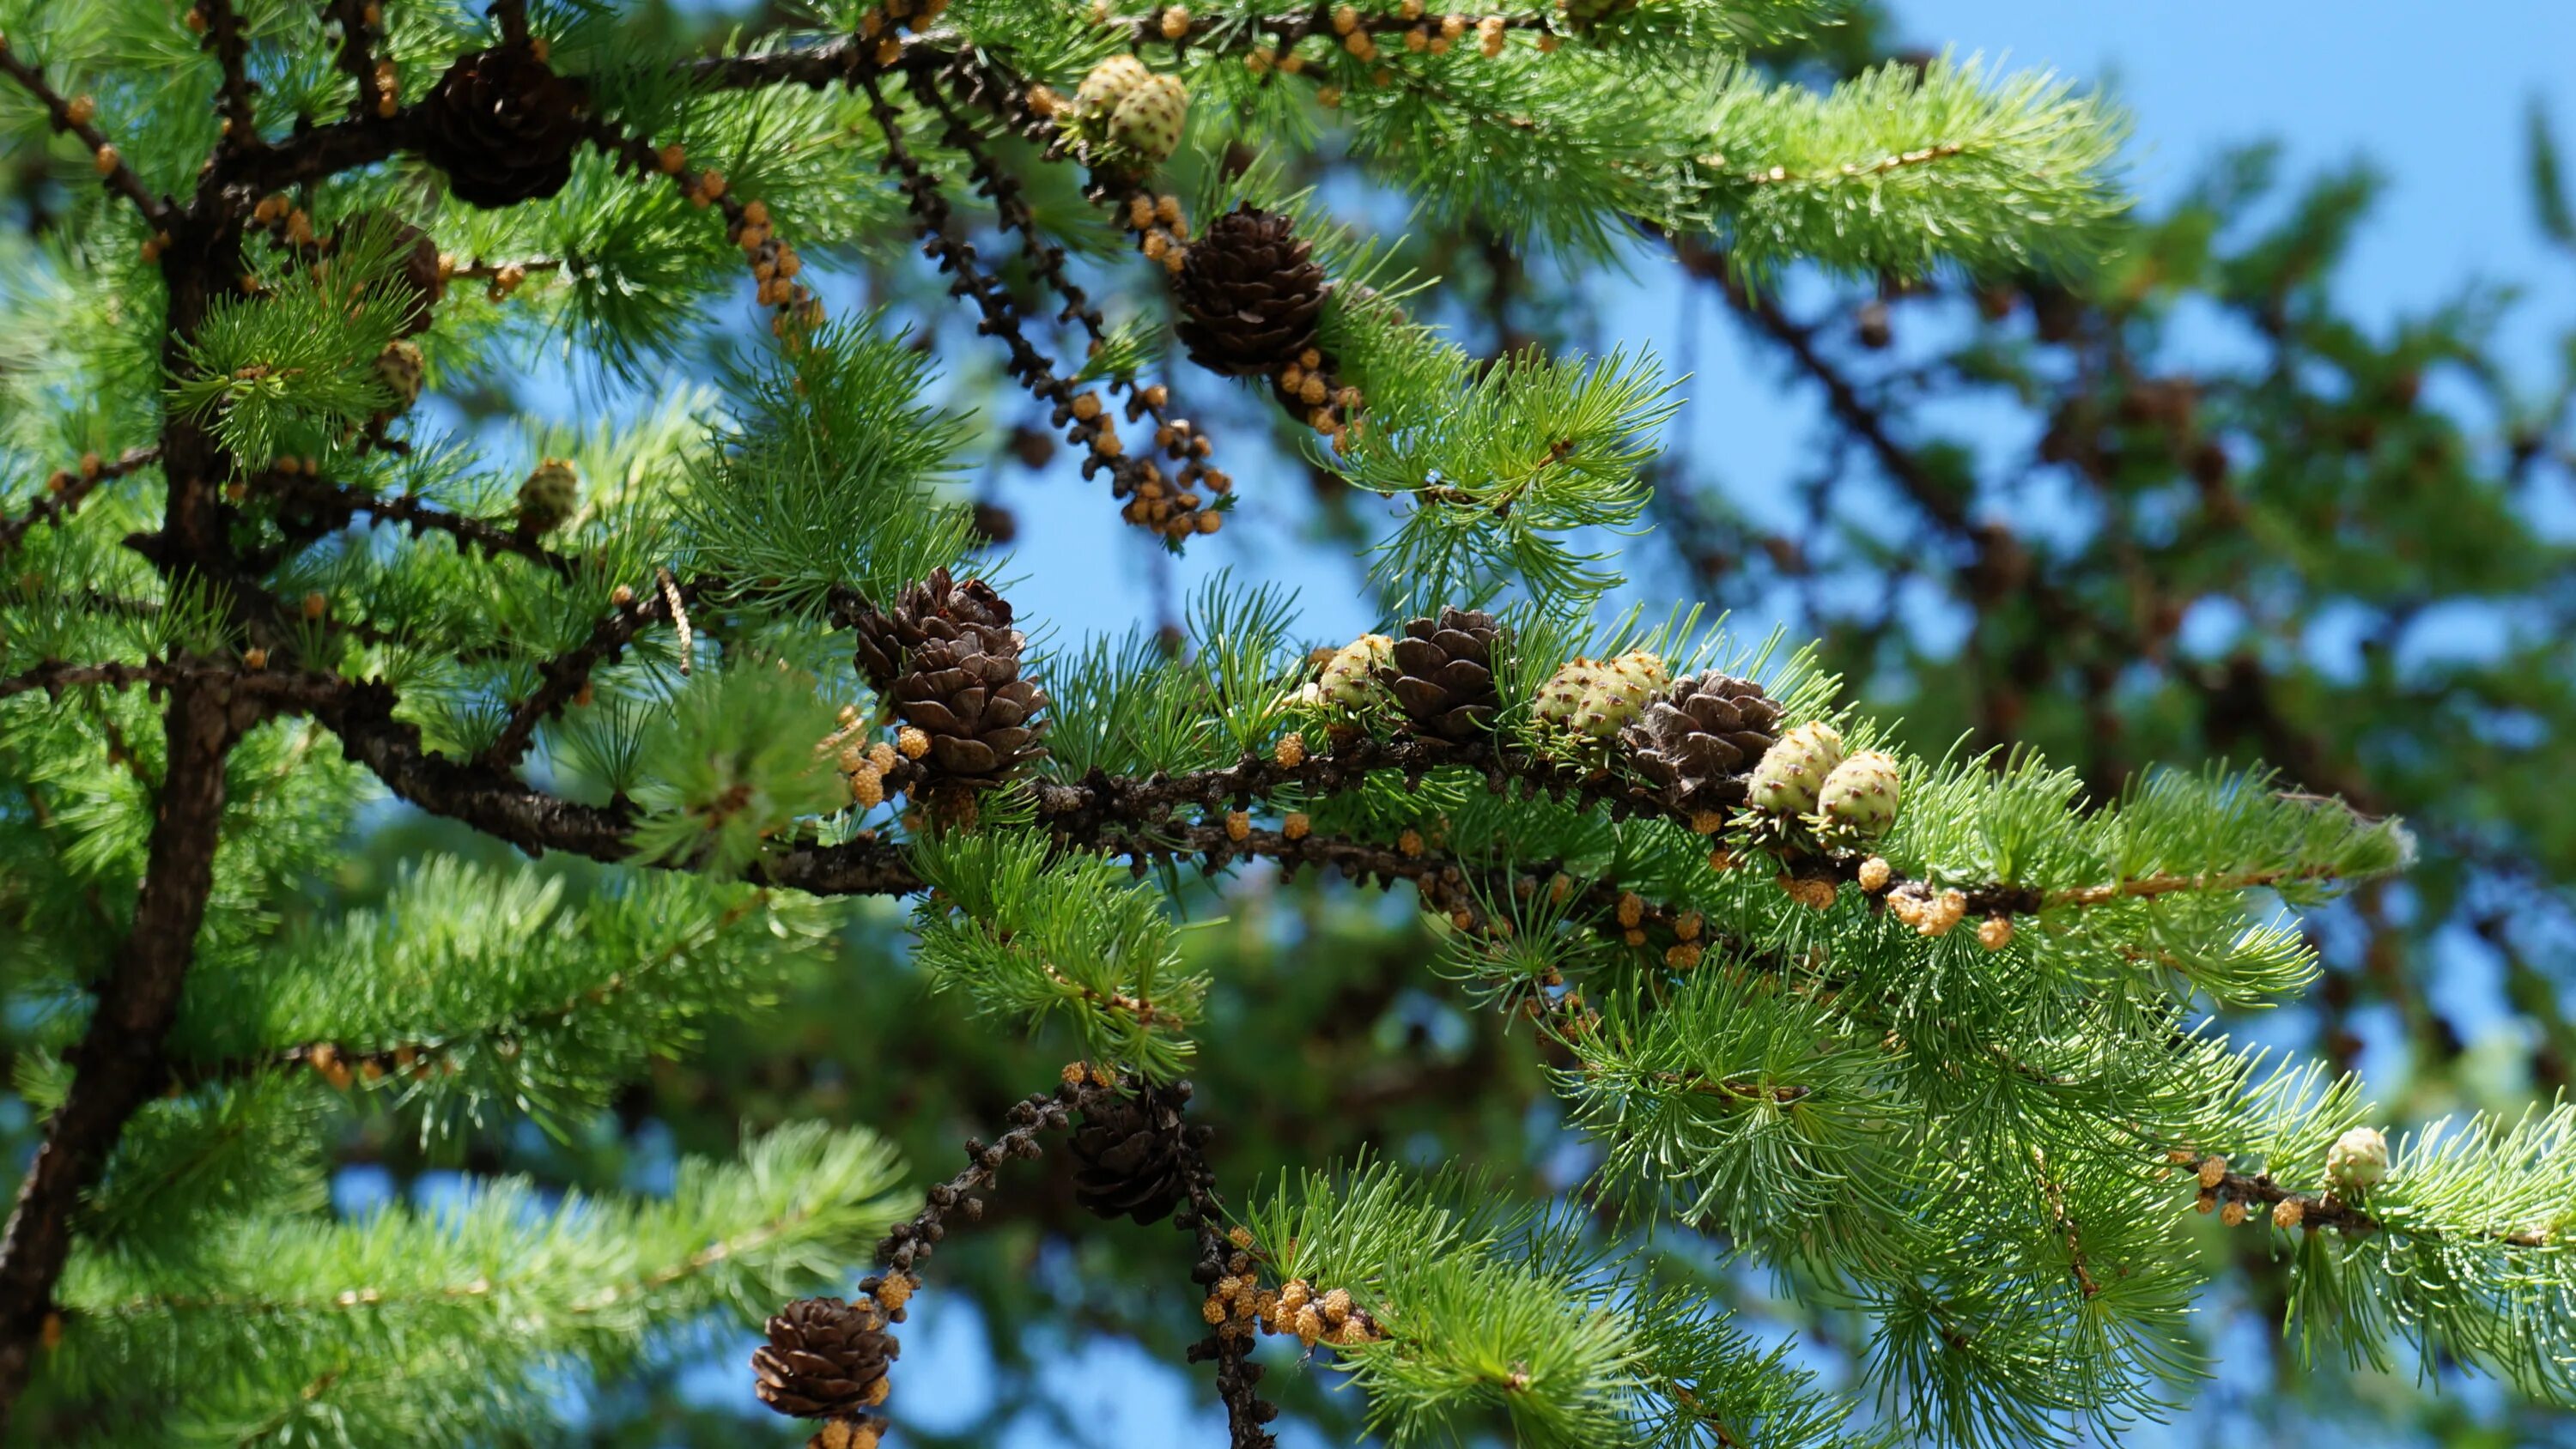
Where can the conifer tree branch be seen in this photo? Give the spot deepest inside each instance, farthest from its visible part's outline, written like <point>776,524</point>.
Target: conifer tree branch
<point>1085,421</point>
<point>355,55</point>
<point>1175,437</point>
<point>225,38</point>
<point>284,688</point>
<point>54,676</point>
<point>324,505</point>
<point>1283,30</point>
<point>67,489</point>
<point>73,115</point>
<point>317,154</point>
<point>118,1059</point>
<point>563,676</point>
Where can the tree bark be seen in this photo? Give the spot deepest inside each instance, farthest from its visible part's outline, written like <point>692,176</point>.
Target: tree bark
<point>118,1062</point>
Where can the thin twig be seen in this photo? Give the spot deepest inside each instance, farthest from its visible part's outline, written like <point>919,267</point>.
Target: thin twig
<point>66,490</point>
<point>113,173</point>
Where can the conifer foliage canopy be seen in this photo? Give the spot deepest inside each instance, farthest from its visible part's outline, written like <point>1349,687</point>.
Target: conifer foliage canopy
<point>1924,1038</point>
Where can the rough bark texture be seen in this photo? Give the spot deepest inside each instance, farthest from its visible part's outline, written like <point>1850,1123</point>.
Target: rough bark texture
<point>118,1062</point>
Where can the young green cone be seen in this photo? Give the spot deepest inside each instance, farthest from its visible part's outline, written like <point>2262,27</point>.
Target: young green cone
<point>549,497</point>
<point>1857,801</point>
<point>1792,773</point>
<point>2358,1161</point>
<point>1350,678</point>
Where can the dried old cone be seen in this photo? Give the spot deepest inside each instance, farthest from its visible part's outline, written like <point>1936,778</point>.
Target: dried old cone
<point>936,608</point>
<point>968,697</point>
<point>502,126</point>
<point>825,1358</point>
<point>1442,672</point>
<point>1249,294</point>
<point>1131,1157</point>
<point>950,660</point>
<point>417,287</point>
<point>1698,740</point>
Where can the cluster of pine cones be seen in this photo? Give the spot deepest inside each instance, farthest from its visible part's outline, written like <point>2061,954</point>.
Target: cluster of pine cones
<point>1707,741</point>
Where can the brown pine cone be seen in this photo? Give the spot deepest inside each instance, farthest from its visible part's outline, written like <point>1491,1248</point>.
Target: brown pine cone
<point>1249,293</point>
<point>825,1358</point>
<point>1699,739</point>
<point>502,125</point>
<point>1442,672</point>
<point>417,286</point>
<point>967,695</point>
<point>1130,1156</point>
<point>936,608</point>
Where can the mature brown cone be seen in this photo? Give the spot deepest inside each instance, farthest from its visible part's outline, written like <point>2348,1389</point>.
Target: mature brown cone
<point>967,695</point>
<point>824,1358</point>
<point>1249,294</point>
<point>936,608</point>
<point>1442,672</point>
<point>1701,736</point>
<point>1131,1158</point>
<point>418,285</point>
<point>502,126</point>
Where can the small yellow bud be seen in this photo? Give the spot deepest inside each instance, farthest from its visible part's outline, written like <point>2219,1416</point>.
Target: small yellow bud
<point>2213,1170</point>
<point>911,742</point>
<point>1297,825</point>
<point>1238,825</point>
<point>2288,1213</point>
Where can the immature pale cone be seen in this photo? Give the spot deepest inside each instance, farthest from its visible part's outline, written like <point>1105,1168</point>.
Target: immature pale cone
<point>551,495</point>
<point>2358,1161</point>
<point>1146,127</point>
<point>1560,700</point>
<point>1128,115</point>
<point>1107,85</point>
<point>1619,693</point>
<point>1597,698</point>
<point>1349,676</point>
<point>1858,797</point>
<point>1792,773</point>
<point>824,1358</point>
